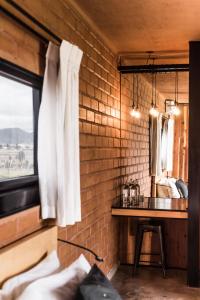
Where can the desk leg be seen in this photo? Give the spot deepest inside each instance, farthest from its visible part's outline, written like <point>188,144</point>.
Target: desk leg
<point>138,247</point>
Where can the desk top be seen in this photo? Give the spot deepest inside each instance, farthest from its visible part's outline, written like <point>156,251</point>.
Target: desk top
<point>157,204</point>
<point>154,207</point>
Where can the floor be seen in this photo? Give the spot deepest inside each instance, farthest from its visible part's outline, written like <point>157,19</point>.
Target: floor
<point>149,284</point>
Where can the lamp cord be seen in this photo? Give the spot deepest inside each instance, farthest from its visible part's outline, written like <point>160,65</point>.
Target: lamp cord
<point>176,89</point>
<point>155,90</point>
<point>133,106</point>
<point>137,93</point>
<point>98,258</point>
<point>152,79</point>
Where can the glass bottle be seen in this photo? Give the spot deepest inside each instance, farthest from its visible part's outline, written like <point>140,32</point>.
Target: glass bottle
<point>125,194</point>
<point>138,189</point>
<point>132,192</point>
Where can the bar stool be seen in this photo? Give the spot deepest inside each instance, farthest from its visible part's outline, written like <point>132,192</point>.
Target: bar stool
<point>155,227</point>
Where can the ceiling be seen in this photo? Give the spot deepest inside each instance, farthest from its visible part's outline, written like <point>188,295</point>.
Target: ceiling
<point>134,28</point>
<point>145,25</point>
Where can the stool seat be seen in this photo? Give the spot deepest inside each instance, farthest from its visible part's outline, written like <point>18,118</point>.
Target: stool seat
<point>150,226</point>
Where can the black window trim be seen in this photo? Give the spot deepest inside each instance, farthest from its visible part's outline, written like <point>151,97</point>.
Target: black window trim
<point>25,187</point>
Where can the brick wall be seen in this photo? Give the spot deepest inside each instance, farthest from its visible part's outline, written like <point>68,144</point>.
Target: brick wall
<point>99,130</point>
<point>107,131</point>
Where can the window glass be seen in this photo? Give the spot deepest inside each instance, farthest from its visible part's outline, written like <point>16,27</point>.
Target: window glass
<point>16,129</point>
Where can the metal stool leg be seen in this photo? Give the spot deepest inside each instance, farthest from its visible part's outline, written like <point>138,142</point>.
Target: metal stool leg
<point>162,251</point>
<point>138,247</point>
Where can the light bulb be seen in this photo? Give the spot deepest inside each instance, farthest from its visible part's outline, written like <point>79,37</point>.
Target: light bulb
<point>138,114</point>
<point>135,113</point>
<point>154,112</point>
<point>176,110</point>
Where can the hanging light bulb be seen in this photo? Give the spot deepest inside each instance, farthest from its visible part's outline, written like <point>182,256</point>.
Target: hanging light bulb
<point>154,112</point>
<point>138,114</point>
<point>135,111</point>
<point>175,110</point>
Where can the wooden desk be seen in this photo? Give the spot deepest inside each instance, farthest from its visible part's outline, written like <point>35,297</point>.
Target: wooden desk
<point>154,208</point>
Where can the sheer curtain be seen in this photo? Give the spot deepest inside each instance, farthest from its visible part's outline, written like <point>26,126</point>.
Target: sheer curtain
<point>58,141</point>
<point>47,165</point>
<point>155,141</point>
<point>167,145</point>
<point>68,158</point>
<point>170,145</point>
<point>164,144</point>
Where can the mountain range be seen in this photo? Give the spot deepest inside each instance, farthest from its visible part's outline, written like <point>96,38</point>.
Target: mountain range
<point>15,136</point>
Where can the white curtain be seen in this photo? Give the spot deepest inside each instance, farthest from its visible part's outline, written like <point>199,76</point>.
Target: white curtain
<point>59,169</point>
<point>167,145</point>
<point>170,145</point>
<point>47,166</point>
<point>68,158</point>
<point>164,145</point>
<point>155,140</point>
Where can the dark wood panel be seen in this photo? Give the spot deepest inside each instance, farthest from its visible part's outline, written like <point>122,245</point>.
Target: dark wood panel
<point>127,241</point>
<point>176,243</point>
<point>180,158</point>
<point>175,236</point>
<point>194,165</point>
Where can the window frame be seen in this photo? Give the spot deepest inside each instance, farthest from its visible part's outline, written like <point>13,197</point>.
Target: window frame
<point>26,187</point>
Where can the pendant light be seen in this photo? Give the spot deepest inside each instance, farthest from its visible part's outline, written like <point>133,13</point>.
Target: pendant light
<point>175,109</point>
<point>154,111</point>
<point>135,111</point>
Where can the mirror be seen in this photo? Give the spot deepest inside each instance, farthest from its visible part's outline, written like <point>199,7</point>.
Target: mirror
<point>174,88</point>
<point>136,92</point>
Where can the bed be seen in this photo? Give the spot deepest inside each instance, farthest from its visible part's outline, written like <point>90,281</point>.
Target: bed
<point>77,281</point>
<point>28,251</point>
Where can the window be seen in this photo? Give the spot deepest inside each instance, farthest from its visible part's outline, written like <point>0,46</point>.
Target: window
<point>20,92</point>
<point>16,129</point>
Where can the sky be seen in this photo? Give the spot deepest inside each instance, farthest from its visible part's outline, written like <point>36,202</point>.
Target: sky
<point>16,105</point>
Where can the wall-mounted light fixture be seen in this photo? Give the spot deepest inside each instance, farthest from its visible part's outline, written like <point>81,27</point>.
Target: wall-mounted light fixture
<point>154,110</point>
<point>135,111</point>
<point>171,105</point>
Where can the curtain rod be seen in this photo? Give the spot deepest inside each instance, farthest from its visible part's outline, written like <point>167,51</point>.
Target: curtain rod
<point>33,20</point>
<point>154,68</point>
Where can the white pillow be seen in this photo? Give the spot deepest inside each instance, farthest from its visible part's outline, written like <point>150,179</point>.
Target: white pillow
<point>60,286</point>
<point>171,183</point>
<point>14,286</point>
<point>174,190</point>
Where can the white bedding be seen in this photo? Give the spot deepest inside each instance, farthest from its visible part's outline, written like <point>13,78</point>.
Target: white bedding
<point>46,280</point>
<point>13,287</point>
<point>60,286</point>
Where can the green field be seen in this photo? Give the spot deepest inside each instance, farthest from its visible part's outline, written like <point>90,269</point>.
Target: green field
<point>11,173</point>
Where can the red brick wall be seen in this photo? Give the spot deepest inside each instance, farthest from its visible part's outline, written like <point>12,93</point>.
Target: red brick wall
<point>103,138</point>
<point>99,132</point>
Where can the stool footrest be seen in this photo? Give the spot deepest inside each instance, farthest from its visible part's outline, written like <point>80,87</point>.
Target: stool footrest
<point>151,262</point>
<point>150,254</point>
